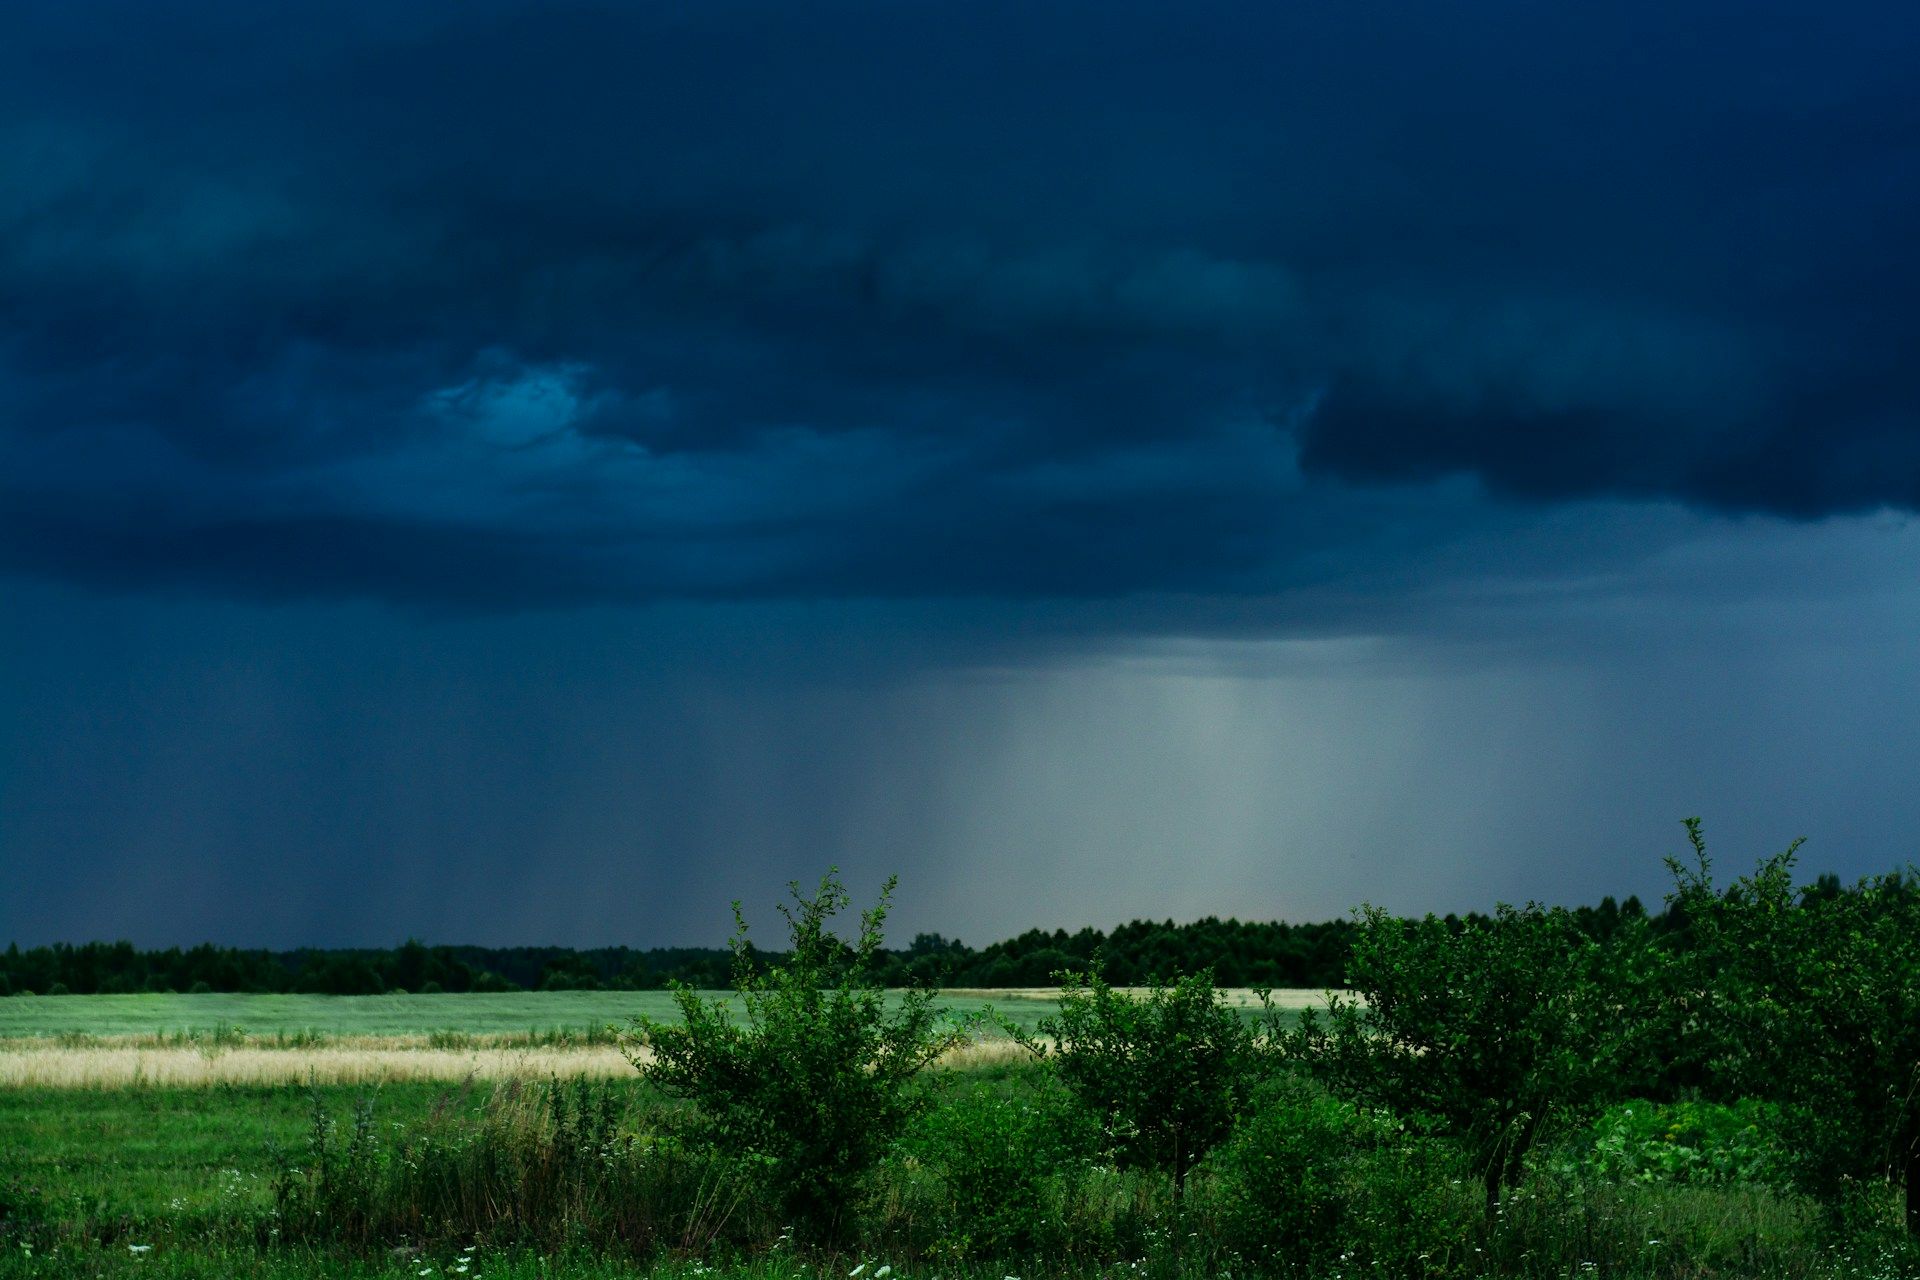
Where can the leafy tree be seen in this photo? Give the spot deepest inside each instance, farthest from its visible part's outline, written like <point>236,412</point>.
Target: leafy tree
<point>815,1085</point>
<point>1809,997</point>
<point>1861,1072</point>
<point>1485,1029</point>
<point>1165,1073</point>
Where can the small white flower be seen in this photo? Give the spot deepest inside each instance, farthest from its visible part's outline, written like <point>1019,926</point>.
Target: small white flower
<point>137,1249</point>
<point>856,1271</point>
<point>883,1273</point>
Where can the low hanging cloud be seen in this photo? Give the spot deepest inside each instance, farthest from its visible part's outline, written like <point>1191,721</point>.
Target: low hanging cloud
<point>494,304</point>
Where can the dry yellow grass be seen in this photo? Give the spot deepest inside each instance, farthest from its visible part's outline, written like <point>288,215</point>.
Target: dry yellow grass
<point>115,1064</point>
<point>118,1066</point>
<point>119,1061</point>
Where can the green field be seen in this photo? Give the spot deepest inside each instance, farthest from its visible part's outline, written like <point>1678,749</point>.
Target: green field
<point>513,1013</point>
<point>154,1180</point>
<point>174,1154</point>
<point>170,1183</point>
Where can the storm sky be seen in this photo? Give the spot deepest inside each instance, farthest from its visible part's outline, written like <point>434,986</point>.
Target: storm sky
<point>502,472</point>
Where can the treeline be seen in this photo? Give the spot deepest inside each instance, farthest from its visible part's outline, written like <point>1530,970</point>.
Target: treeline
<point>1240,954</point>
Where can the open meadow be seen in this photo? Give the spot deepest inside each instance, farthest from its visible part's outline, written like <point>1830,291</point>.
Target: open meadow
<point>236,1039</point>
<point>461,1137</point>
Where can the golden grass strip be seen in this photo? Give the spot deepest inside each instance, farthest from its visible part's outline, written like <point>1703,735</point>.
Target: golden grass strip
<point>119,1067</point>
<point>455,1042</point>
<point>371,1060</point>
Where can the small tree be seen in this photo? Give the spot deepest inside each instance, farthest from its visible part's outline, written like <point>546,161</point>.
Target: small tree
<point>1165,1073</point>
<point>1809,997</point>
<point>815,1085</point>
<point>1484,1031</point>
<point>1862,1073</point>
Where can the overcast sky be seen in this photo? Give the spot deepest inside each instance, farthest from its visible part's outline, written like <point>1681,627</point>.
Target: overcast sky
<point>503,472</point>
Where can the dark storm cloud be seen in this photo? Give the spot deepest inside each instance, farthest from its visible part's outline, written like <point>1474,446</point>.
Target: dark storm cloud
<point>489,303</point>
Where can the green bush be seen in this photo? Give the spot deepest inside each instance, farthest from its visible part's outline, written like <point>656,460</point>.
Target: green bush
<point>1487,1031</point>
<point>1164,1074</point>
<point>817,1084</point>
<point>1701,1143</point>
<point>1309,1183</point>
<point>1810,996</point>
<point>1281,1180</point>
<point>994,1156</point>
<point>1413,1208</point>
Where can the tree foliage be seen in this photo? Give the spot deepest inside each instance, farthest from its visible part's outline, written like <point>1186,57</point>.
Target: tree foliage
<point>1164,1073</point>
<point>814,1085</point>
<point>1809,996</point>
<point>1486,1031</point>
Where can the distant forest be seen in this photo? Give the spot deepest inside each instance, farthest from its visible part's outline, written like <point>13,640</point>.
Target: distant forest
<point>1240,953</point>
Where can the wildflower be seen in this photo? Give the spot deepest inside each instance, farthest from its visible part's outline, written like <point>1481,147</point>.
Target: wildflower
<point>856,1271</point>
<point>137,1249</point>
<point>883,1273</point>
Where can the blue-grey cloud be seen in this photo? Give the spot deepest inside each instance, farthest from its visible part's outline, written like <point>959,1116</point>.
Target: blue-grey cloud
<point>495,303</point>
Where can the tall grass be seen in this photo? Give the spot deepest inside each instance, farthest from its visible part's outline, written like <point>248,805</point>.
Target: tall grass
<point>206,1065</point>
<point>547,1165</point>
<point>1001,1172</point>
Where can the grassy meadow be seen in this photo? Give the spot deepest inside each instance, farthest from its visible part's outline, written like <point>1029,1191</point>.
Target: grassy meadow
<point>528,1015</point>
<point>288,1016</point>
<point>169,1040</point>
<point>179,1182</point>
<point>522,1145</point>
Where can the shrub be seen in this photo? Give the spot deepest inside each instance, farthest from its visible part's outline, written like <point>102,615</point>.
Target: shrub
<point>1411,1209</point>
<point>1280,1180</point>
<point>1485,1031</point>
<point>816,1085</point>
<point>1164,1074</point>
<point>1307,1180</point>
<point>1811,998</point>
<point>993,1156</point>
<point>1699,1143</point>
